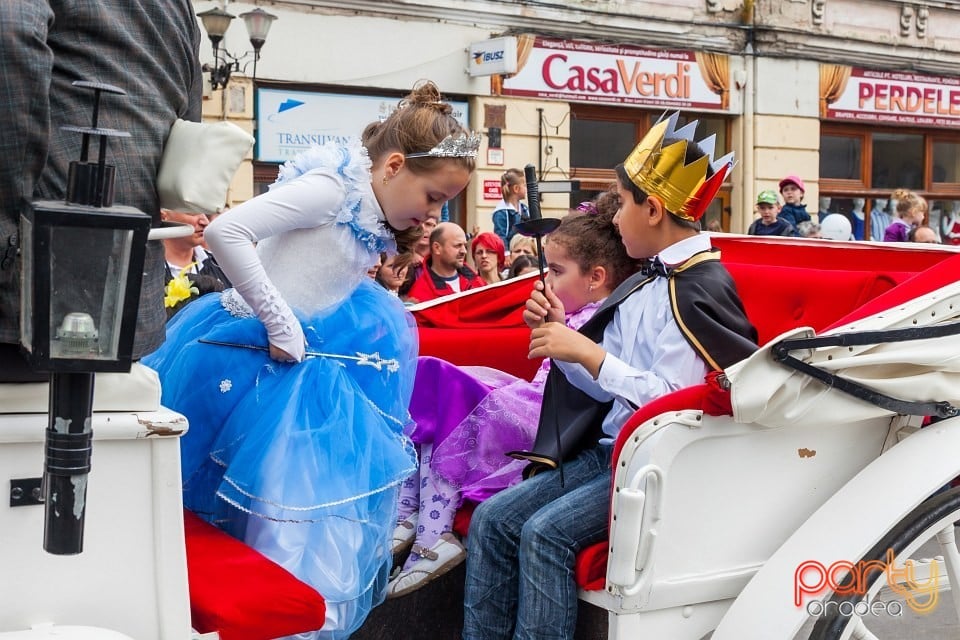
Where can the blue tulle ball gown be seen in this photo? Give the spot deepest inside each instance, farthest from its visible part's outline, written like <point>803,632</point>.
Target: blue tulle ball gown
<point>303,460</point>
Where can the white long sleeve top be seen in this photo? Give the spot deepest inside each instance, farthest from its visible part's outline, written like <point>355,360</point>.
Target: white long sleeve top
<point>306,244</point>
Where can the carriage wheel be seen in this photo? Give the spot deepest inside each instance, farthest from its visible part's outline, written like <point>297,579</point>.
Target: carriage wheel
<point>848,616</point>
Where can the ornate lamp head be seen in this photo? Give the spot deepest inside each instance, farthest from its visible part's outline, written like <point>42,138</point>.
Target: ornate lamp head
<point>686,189</point>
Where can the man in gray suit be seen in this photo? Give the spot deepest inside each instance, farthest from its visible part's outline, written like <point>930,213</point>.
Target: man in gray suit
<point>149,48</point>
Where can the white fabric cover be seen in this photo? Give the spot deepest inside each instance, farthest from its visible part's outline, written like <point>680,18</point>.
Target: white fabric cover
<point>198,163</point>
<point>770,394</point>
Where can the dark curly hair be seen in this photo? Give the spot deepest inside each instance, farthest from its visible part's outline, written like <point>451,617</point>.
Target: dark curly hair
<point>591,239</point>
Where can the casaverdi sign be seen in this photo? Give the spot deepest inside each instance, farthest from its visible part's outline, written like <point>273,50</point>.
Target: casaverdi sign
<point>892,97</point>
<point>612,74</point>
<point>289,122</point>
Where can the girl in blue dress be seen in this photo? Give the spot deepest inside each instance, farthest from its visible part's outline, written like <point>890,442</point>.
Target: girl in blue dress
<point>296,383</point>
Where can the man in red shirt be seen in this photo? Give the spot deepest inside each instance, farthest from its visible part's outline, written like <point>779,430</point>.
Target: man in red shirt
<point>445,271</point>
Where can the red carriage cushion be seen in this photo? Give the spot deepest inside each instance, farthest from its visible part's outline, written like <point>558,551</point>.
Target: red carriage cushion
<point>242,594</point>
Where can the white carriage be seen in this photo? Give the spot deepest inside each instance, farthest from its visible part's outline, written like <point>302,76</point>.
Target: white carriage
<point>721,492</point>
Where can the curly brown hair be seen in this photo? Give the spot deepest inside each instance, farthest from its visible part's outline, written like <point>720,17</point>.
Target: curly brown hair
<point>591,239</point>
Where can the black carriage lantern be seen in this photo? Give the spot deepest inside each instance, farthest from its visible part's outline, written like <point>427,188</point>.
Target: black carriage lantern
<point>82,266</point>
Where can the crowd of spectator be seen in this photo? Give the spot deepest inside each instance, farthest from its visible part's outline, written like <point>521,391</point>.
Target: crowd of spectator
<point>786,215</point>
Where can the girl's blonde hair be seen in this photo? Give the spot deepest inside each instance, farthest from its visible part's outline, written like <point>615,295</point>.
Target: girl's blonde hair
<point>511,178</point>
<point>418,124</point>
<point>907,201</point>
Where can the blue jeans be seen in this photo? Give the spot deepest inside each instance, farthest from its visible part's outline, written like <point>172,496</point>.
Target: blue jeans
<point>522,546</point>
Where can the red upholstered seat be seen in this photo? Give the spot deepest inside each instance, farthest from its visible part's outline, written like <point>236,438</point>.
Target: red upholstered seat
<point>781,298</point>
<point>242,594</point>
<point>480,327</point>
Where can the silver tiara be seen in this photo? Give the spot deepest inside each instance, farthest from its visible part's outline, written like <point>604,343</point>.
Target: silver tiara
<point>463,146</point>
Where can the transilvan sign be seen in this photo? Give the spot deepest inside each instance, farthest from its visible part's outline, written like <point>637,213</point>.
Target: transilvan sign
<point>289,122</point>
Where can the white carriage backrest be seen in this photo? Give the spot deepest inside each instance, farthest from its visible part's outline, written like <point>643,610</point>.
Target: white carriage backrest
<point>767,393</point>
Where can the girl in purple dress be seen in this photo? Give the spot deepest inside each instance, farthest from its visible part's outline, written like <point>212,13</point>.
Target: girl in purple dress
<point>467,418</point>
<point>909,210</point>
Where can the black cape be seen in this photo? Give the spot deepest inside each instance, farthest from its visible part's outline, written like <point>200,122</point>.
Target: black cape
<point>711,317</point>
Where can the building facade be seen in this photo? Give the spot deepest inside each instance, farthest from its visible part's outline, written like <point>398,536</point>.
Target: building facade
<point>857,97</point>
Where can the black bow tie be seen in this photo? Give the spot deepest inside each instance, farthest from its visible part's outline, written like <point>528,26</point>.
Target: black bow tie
<point>654,268</point>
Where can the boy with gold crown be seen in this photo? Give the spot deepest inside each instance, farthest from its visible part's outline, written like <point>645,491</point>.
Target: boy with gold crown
<point>661,330</point>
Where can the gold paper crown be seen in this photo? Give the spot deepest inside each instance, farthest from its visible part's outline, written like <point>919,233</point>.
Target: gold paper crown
<point>660,171</point>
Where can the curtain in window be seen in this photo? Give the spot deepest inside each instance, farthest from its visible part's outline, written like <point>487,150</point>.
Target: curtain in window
<point>524,47</point>
<point>715,69</point>
<point>833,82</point>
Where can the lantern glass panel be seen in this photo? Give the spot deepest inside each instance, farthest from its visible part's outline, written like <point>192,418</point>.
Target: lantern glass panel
<point>88,275</point>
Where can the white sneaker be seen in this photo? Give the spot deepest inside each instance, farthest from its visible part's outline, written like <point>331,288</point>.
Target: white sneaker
<point>443,556</point>
<point>404,534</point>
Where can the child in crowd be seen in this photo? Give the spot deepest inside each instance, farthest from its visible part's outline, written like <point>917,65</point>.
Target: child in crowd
<point>393,270</point>
<point>510,210</point>
<point>297,382</point>
<point>909,211</point>
<point>468,418</point>
<point>521,265</point>
<point>489,256</point>
<point>769,223</point>
<point>793,210</point>
<point>659,331</point>
<point>420,252</point>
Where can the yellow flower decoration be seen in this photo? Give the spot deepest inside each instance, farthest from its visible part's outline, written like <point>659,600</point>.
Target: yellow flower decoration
<point>179,288</point>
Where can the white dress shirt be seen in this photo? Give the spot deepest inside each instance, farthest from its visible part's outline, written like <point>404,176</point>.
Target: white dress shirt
<point>647,355</point>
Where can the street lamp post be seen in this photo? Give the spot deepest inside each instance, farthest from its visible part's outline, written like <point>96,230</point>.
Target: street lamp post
<point>215,23</point>
<point>80,287</point>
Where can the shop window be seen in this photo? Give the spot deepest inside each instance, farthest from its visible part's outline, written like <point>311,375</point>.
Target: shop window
<point>264,175</point>
<point>599,143</point>
<point>841,157</point>
<point>945,220</point>
<point>869,163</point>
<point>853,209</point>
<point>897,161</point>
<point>709,126</point>
<point>602,137</point>
<point>946,162</point>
